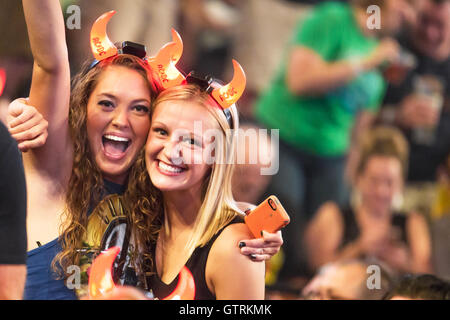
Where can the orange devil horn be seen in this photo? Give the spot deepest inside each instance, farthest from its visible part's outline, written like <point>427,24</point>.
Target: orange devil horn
<point>185,289</point>
<point>178,47</point>
<point>101,46</point>
<point>227,95</point>
<point>165,60</point>
<point>2,80</point>
<point>100,277</point>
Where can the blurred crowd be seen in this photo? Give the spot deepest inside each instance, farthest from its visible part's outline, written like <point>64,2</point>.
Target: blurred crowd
<point>363,112</point>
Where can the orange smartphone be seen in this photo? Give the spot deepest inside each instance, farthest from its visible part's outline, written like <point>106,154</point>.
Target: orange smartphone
<point>269,216</point>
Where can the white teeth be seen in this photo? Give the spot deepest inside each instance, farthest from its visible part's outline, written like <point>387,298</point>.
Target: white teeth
<point>116,138</point>
<point>168,168</point>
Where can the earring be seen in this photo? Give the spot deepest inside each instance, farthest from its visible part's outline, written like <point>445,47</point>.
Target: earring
<point>355,198</point>
<point>397,201</point>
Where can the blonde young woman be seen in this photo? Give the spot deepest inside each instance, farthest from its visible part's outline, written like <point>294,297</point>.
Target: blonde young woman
<point>92,160</point>
<point>190,156</point>
<point>201,221</point>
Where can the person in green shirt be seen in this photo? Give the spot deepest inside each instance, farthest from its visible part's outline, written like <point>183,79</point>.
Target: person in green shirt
<point>329,85</point>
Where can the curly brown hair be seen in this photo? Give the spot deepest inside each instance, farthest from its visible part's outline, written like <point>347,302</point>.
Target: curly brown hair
<point>86,182</point>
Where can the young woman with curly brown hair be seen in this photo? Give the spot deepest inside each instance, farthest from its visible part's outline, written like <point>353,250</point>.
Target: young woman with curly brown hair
<point>88,186</point>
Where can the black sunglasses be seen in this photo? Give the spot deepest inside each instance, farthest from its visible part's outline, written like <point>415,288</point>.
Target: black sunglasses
<point>127,47</point>
<point>205,83</point>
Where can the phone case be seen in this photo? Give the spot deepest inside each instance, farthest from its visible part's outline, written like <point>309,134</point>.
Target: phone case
<point>269,216</point>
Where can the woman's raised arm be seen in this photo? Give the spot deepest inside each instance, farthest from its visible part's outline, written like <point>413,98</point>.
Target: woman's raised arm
<point>50,88</point>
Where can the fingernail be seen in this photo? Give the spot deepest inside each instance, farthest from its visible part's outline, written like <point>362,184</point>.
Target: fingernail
<point>253,256</point>
<point>262,233</point>
<point>242,244</point>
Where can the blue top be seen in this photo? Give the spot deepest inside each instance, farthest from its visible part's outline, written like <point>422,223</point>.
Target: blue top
<point>42,282</point>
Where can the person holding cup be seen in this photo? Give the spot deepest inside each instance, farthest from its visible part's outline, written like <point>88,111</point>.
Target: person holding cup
<point>420,104</point>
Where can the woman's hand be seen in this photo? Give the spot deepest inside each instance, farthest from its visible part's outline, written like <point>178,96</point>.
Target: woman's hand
<point>264,248</point>
<point>396,256</point>
<point>417,111</point>
<point>26,125</point>
<point>373,240</point>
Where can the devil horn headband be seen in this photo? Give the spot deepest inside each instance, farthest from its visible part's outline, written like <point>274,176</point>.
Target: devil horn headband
<point>101,46</point>
<point>164,62</point>
<point>227,95</point>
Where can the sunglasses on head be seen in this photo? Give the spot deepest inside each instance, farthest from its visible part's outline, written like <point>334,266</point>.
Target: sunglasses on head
<point>208,84</point>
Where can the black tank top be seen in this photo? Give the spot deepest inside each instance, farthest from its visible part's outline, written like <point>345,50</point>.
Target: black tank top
<point>196,265</point>
<point>351,228</point>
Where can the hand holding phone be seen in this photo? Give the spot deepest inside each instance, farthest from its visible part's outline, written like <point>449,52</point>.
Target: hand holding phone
<point>269,216</point>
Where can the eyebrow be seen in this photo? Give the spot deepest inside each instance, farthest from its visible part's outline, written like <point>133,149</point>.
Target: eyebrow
<point>113,97</point>
<point>190,133</point>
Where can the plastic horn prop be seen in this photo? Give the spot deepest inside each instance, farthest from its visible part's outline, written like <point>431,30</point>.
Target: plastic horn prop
<point>101,280</point>
<point>164,62</point>
<point>102,48</point>
<point>185,289</point>
<point>228,94</point>
<point>100,277</point>
<point>2,81</point>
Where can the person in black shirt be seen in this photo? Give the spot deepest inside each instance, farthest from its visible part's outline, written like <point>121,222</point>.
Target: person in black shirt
<point>13,205</point>
<point>414,108</point>
<point>372,226</point>
<point>27,129</point>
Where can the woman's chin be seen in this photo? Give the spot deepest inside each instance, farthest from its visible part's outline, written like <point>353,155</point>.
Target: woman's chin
<point>114,173</point>
<point>381,210</point>
<point>164,184</point>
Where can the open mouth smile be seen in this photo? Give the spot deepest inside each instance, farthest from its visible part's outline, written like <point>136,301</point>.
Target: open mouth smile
<point>168,169</point>
<point>114,146</point>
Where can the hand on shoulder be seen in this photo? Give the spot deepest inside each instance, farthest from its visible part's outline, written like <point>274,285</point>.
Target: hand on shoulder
<point>230,274</point>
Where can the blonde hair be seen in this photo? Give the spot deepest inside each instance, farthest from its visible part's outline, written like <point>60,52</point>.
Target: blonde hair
<point>218,206</point>
<point>383,141</point>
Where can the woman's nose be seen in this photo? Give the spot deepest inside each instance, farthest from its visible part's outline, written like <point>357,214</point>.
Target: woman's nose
<point>172,151</point>
<point>383,191</point>
<point>120,118</point>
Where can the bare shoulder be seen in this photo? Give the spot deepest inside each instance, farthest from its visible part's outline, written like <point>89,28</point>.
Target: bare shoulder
<point>225,258</point>
<point>416,217</point>
<point>330,208</point>
<point>416,222</point>
<point>328,219</point>
<point>225,250</point>
<point>230,238</point>
<point>327,214</point>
